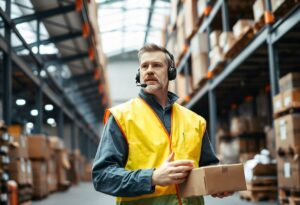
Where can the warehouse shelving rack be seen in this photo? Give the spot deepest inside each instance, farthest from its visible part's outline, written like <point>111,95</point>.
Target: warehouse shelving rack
<point>50,87</point>
<point>268,36</point>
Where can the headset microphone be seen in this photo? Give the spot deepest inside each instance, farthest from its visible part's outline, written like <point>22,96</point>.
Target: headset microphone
<point>142,85</point>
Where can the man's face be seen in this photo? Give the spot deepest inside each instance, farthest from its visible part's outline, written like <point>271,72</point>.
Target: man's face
<point>154,71</point>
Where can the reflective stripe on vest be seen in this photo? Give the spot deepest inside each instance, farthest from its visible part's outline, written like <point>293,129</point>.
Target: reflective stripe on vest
<point>149,143</point>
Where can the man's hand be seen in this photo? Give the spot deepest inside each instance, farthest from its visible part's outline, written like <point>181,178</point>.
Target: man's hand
<point>172,172</point>
<point>222,195</point>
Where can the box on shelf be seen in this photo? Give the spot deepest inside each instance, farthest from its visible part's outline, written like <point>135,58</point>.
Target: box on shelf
<point>291,98</point>
<point>182,89</point>
<point>38,147</point>
<point>17,171</point>
<point>278,103</point>
<point>174,11</point>
<point>227,40</point>
<point>199,69</point>
<point>214,38</point>
<point>199,44</point>
<point>201,5</point>
<point>18,148</point>
<point>288,172</point>
<point>287,131</point>
<point>241,27</point>
<point>207,180</point>
<point>15,130</point>
<point>289,81</point>
<point>29,175</point>
<point>216,55</point>
<point>190,17</point>
<point>259,8</point>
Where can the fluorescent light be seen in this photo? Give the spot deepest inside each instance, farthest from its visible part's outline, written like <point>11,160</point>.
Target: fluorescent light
<point>50,121</point>
<point>20,102</point>
<point>34,112</point>
<point>29,125</point>
<point>48,107</point>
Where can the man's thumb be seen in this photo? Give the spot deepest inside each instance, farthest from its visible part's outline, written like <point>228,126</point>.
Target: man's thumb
<point>170,157</point>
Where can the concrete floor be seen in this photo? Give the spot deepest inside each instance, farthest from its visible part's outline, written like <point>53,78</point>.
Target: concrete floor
<point>85,194</point>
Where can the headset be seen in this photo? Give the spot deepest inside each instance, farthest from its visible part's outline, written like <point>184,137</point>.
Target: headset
<point>171,70</point>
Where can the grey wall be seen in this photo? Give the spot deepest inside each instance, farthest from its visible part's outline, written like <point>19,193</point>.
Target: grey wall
<point>121,75</point>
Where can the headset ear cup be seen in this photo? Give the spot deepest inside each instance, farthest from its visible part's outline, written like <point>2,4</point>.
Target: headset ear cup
<point>137,77</point>
<point>172,73</point>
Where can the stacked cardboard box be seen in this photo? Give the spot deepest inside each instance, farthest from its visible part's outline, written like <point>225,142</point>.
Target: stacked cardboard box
<point>74,174</point>
<point>199,46</point>
<point>259,8</point>
<point>251,138</point>
<point>5,139</point>
<point>190,17</point>
<point>180,45</point>
<point>39,153</point>
<point>59,163</point>
<point>286,126</point>
<point>263,183</point>
<point>184,87</point>
<point>216,54</point>
<point>20,167</point>
<point>289,96</point>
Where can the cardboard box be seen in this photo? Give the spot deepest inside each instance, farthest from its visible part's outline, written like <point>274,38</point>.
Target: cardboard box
<point>276,4</point>
<point>15,130</point>
<point>216,55</point>
<point>29,175</point>
<point>17,171</point>
<point>199,69</point>
<point>190,17</point>
<point>278,104</point>
<point>227,41</point>
<point>214,179</point>
<point>55,143</point>
<point>291,98</point>
<point>38,147</point>
<point>183,88</point>
<point>241,27</point>
<point>259,8</point>
<point>174,11</point>
<point>201,5</point>
<point>199,44</point>
<point>288,172</point>
<point>19,148</point>
<point>52,182</point>
<point>289,81</point>
<point>287,131</point>
<point>214,38</point>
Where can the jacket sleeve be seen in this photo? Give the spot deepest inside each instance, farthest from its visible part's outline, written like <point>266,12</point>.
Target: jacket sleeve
<point>108,172</point>
<point>208,156</point>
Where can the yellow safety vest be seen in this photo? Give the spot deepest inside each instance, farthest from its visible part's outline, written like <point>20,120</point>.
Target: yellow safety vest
<point>149,144</point>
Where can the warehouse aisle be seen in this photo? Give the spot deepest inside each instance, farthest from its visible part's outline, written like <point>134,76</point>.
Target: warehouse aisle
<point>85,194</point>
<point>77,195</point>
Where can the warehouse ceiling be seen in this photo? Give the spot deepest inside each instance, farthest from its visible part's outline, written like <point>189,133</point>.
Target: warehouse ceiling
<point>126,25</point>
<point>67,67</point>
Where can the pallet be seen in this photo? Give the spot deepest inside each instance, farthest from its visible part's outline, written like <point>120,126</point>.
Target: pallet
<point>287,6</point>
<point>289,196</point>
<point>287,111</point>
<point>256,196</point>
<point>217,67</point>
<point>260,23</point>
<point>240,44</point>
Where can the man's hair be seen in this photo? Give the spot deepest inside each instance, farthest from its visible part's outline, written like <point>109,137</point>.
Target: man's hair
<point>152,48</point>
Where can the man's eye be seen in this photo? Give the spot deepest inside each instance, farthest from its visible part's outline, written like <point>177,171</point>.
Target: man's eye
<point>156,65</point>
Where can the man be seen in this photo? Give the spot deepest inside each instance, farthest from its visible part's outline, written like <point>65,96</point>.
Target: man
<point>150,143</point>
